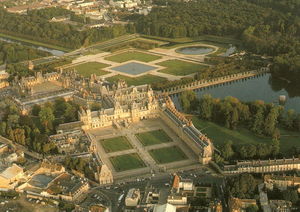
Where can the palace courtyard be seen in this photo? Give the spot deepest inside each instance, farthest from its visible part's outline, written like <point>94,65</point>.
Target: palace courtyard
<point>142,148</point>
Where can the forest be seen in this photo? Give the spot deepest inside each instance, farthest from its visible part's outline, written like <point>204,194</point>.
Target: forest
<point>267,27</point>
<point>33,130</point>
<point>13,53</point>
<point>36,26</point>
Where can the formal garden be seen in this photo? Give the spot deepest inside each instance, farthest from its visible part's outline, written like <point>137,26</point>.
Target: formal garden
<point>153,137</point>
<point>167,154</point>
<point>132,55</point>
<point>180,67</point>
<point>127,162</point>
<point>115,144</point>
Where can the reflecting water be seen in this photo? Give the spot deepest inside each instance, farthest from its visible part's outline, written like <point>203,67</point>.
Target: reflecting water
<point>263,87</point>
<point>229,51</point>
<point>52,51</point>
<point>194,50</point>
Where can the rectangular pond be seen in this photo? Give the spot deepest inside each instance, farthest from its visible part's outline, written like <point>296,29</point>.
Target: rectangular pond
<point>134,68</point>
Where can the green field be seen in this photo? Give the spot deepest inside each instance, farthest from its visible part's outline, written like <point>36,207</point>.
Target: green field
<point>288,140</point>
<point>145,79</point>
<point>126,56</point>
<point>153,137</point>
<point>115,144</point>
<point>167,154</point>
<point>127,162</point>
<point>86,69</point>
<point>180,68</point>
<point>220,134</point>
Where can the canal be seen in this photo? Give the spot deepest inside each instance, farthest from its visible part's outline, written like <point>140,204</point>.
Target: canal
<point>263,87</point>
<point>54,52</point>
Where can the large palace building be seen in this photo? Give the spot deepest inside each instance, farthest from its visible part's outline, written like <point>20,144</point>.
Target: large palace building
<point>131,104</point>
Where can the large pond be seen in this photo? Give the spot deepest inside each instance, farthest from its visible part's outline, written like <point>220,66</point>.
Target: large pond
<point>52,51</point>
<point>134,68</point>
<point>194,50</point>
<point>263,87</point>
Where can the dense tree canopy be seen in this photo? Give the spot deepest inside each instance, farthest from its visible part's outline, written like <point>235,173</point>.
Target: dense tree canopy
<point>270,27</point>
<point>36,26</point>
<point>33,130</point>
<point>12,53</point>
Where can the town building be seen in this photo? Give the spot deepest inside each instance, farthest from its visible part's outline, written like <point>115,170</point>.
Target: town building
<point>281,181</point>
<point>132,198</point>
<point>10,176</point>
<point>52,181</point>
<point>263,166</point>
<point>164,208</point>
<point>240,205</point>
<point>280,206</point>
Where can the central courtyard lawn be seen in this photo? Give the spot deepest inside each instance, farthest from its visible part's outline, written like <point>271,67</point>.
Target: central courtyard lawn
<point>115,144</point>
<point>220,134</point>
<point>145,79</point>
<point>153,137</point>
<point>167,154</point>
<point>180,68</point>
<point>86,69</point>
<point>126,56</point>
<point>127,162</point>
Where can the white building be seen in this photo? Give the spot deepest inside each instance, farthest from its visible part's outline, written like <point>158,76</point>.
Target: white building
<point>164,208</point>
<point>132,197</point>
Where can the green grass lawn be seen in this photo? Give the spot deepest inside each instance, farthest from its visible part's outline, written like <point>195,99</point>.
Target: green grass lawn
<point>180,68</point>
<point>115,144</point>
<point>145,79</point>
<point>127,162</point>
<point>167,154</point>
<point>86,69</point>
<point>220,134</point>
<point>288,140</point>
<point>153,137</point>
<point>126,56</point>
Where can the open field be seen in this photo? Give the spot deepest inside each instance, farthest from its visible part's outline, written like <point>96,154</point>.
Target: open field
<point>167,154</point>
<point>288,140</point>
<point>145,79</point>
<point>153,137</point>
<point>126,56</point>
<point>37,43</point>
<point>180,68</point>
<point>86,69</point>
<point>220,134</point>
<point>115,144</point>
<point>127,162</point>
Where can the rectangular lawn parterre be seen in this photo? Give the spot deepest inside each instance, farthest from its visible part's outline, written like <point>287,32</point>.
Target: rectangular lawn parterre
<point>127,162</point>
<point>167,154</point>
<point>86,69</point>
<point>145,79</point>
<point>153,137</point>
<point>180,68</point>
<point>115,144</point>
<point>126,56</point>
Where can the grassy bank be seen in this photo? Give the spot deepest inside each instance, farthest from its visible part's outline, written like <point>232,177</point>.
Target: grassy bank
<point>220,134</point>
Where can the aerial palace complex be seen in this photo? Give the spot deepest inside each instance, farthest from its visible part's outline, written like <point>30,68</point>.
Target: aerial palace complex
<point>122,106</point>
